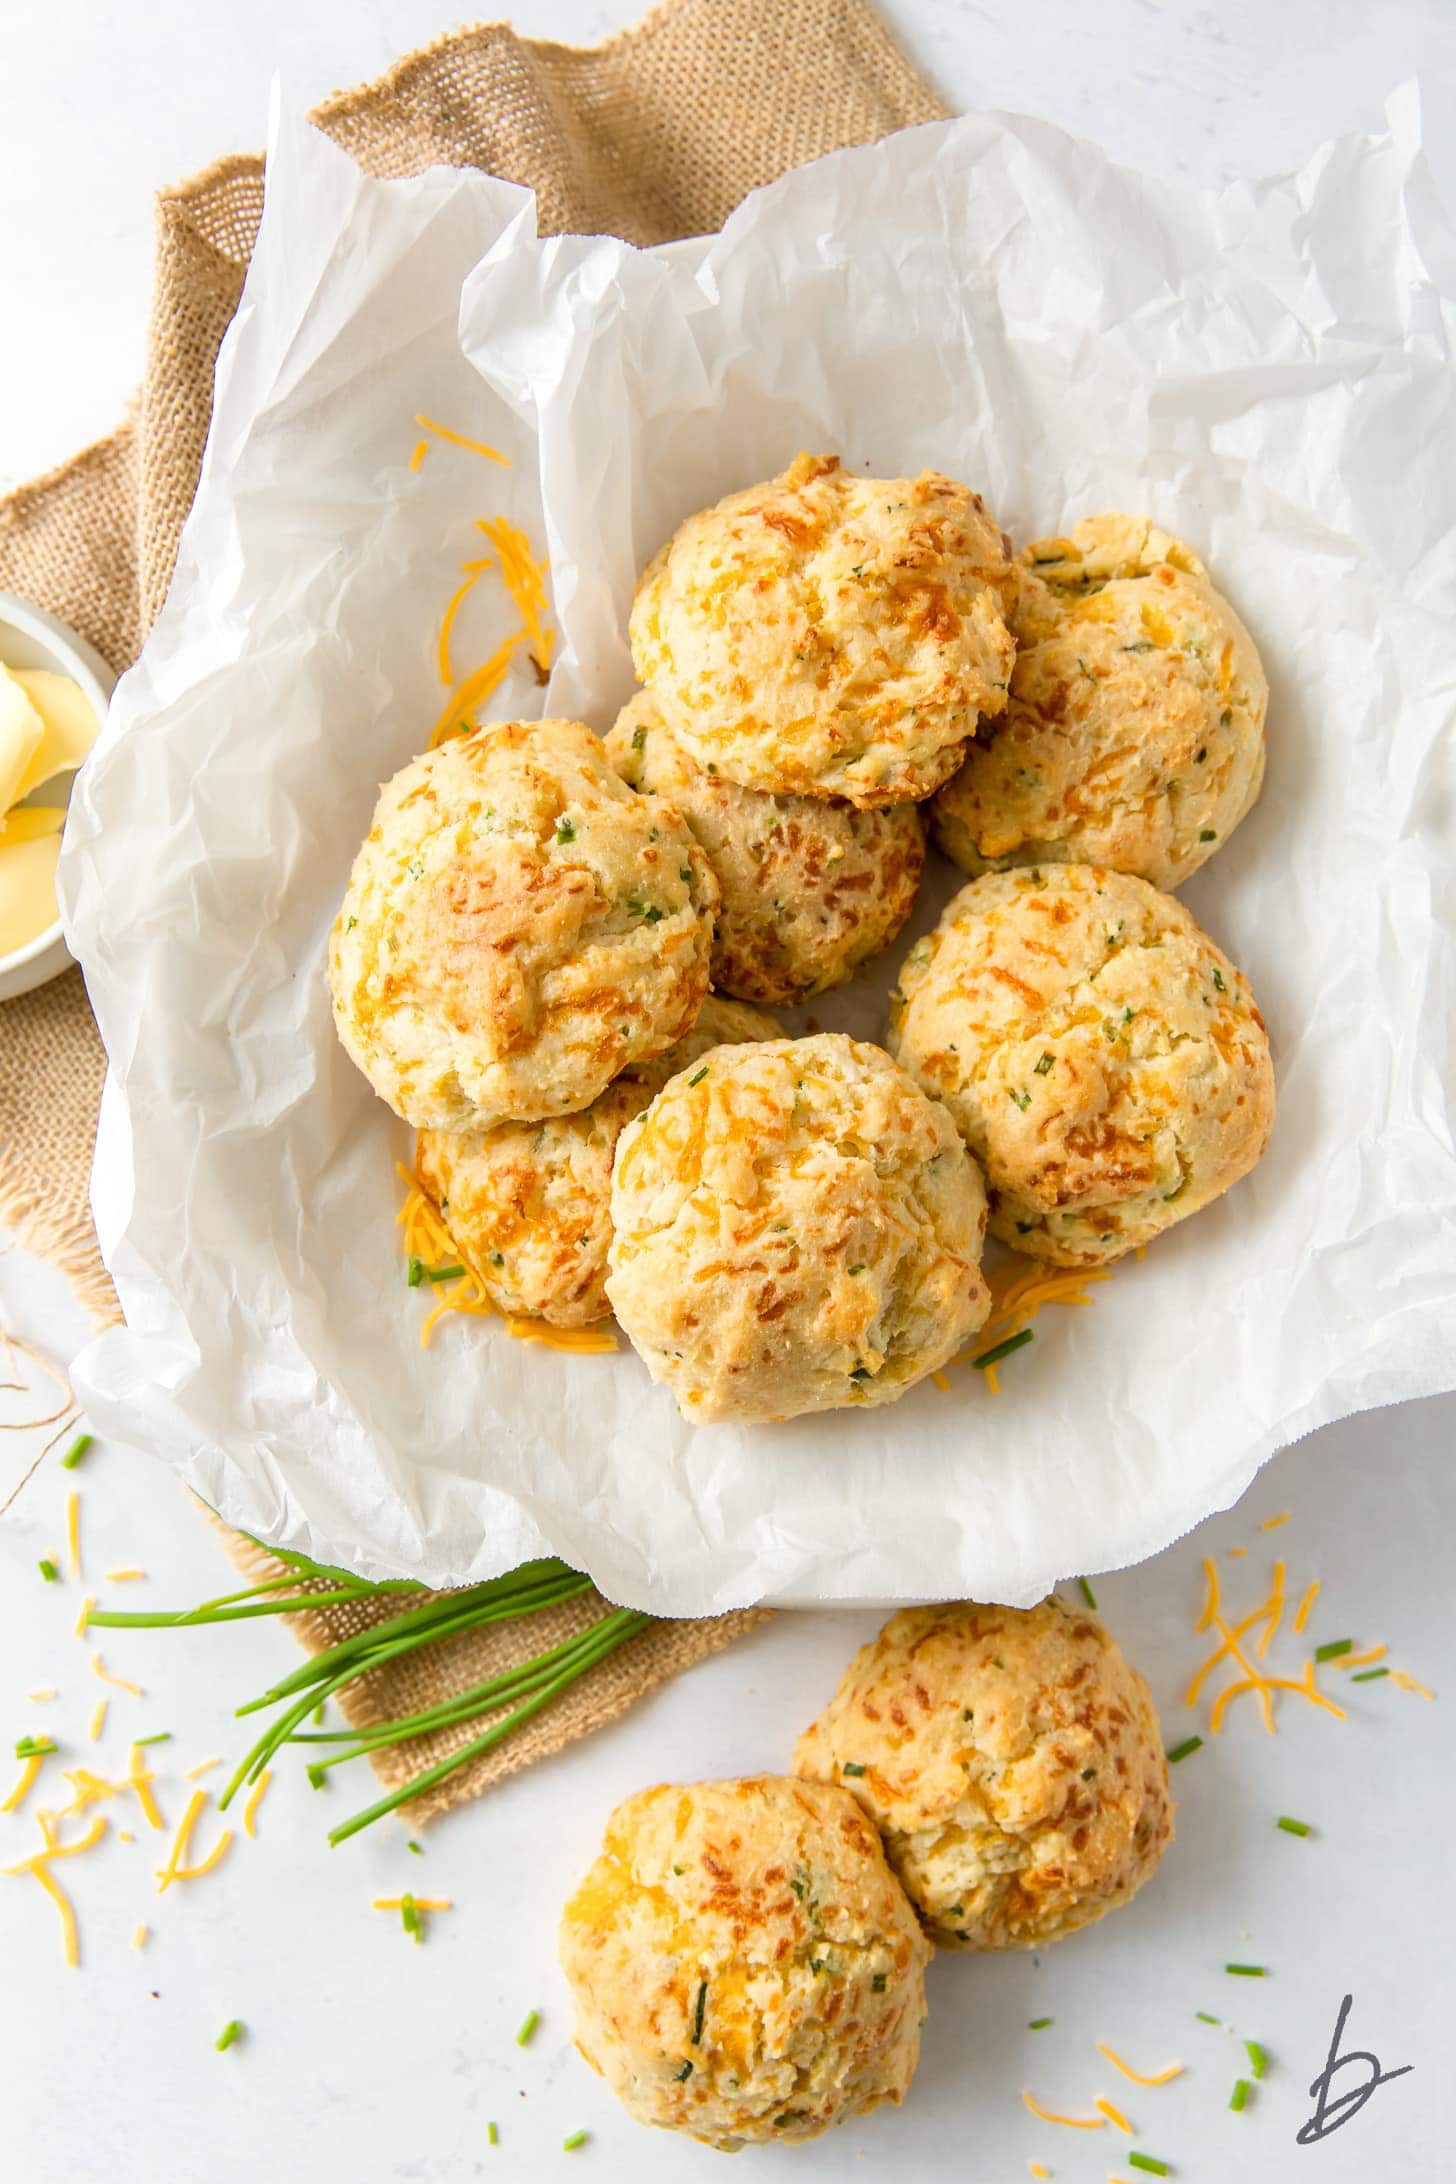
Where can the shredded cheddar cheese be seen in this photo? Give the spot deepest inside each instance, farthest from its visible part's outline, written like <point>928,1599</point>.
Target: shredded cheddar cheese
<point>118,1683</point>
<point>139,1934</point>
<point>589,1341</point>
<point>98,1720</point>
<point>1042,2175</point>
<point>204,1766</point>
<point>421,1903</point>
<point>79,1629</point>
<point>421,450</point>
<point>426,1237</point>
<point>174,1869</point>
<point>1360,1660</point>
<point>71,1939</point>
<point>140,1780</point>
<point>255,1799</point>
<point>1113,2115</point>
<point>1403,1682</point>
<point>1306,1605</point>
<point>38,1865</point>
<point>458,439</point>
<point>1272,1524</point>
<point>124,1577</point>
<point>29,1770</point>
<point>1073,2123</point>
<point>73,1531</point>
<point>1161,2077</point>
<point>46,1691</point>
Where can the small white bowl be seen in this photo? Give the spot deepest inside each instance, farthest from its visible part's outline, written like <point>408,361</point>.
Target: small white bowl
<point>31,638</point>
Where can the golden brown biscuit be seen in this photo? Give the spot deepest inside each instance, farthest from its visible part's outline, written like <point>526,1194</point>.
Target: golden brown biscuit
<point>744,1965</point>
<point>528,1204</point>
<point>795,1228</point>
<point>1104,1060</point>
<point>1135,732</point>
<point>517,929</point>
<point>1012,1761</point>
<point>827,635</point>
<point>811,887</point>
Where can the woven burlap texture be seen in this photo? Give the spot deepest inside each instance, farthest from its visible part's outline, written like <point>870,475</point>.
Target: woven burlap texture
<point>655,134</point>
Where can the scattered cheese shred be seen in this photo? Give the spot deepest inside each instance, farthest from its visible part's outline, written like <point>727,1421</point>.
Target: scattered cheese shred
<point>1272,1524</point>
<point>140,1780</point>
<point>478,685</point>
<point>1238,1551</point>
<point>1212,1600</point>
<point>79,1629</point>
<point>1403,1682</point>
<point>1161,2077</point>
<point>124,1577</point>
<point>26,1784</point>
<point>98,1720</point>
<point>63,1903</point>
<point>1306,1605</point>
<point>421,1903</point>
<point>1360,1660</point>
<point>1042,2175</point>
<point>1019,1288</point>
<point>174,1869</point>
<point>118,1683</point>
<point>941,1382</point>
<point>447,623</point>
<point>73,1530</point>
<point>46,1691</point>
<point>124,1835</point>
<point>421,450</point>
<point>1073,2123</point>
<point>204,1766</point>
<point>139,1934</point>
<point>255,1799</point>
<point>1113,2115</point>
<point>459,439</point>
<point>426,1237</point>
<point>38,1865</point>
<point>589,1341</point>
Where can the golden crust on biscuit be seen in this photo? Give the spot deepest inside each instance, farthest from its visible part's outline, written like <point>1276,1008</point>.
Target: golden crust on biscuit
<point>518,928</point>
<point>795,1228</point>
<point>1103,1059</point>
<point>1012,1762</point>
<point>811,887</point>
<point>1134,737</point>
<point>528,1204</point>
<point>743,1963</point>
<point>828,635</point>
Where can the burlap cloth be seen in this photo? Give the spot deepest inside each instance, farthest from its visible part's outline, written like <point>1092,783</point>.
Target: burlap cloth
<point>656,134</point>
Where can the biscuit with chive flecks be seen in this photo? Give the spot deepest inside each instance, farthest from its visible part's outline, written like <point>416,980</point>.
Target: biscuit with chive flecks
<point>812,888</point>
<point>528,1204</point>
<point>823,634</point>
<point>1103,1059</point>
<point>795,1227</point>
<point>518,928</point>
<point>1134,737</point>
<point>744,1965</point>
<point>1013,1763</point>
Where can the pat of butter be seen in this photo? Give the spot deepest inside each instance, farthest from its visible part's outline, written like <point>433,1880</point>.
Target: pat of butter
<point>22,732</point>
<point>27,889</point>
<point>68,720</point>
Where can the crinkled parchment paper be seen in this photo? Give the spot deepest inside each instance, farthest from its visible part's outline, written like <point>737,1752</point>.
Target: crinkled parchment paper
<point>1266,370</point>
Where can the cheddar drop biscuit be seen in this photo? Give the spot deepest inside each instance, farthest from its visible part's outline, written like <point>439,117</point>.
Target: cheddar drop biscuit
<point>811,888</point>
<point>828,635</point>
<point>795,1227</point>
<point>1012,1762</point>
<point>744,1965</point>
<point>1104,1060</point>
<point>518,928</point>
<point>1134,737</point>
<point>528,1204</point>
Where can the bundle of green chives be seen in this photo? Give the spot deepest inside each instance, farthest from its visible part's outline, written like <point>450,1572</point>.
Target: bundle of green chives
<point>525,1689</point>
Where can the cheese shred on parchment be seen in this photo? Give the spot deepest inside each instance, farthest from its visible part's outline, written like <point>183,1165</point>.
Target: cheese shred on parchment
<point>1019,1288</point>
<point>1073,2123</point>
<point>1161,2077</point>
<point>426,1238</point>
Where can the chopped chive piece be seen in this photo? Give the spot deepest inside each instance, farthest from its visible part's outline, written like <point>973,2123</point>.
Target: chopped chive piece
<point>1333,1648</point>
<point>998,1350</point>
<point>528,2025</point>
<point>1208,834</point>
<point>444,1273</point>
<point>317,1778</point>
<point>698,2009</point>
<point>34,1747</point>
<point>853,1767</point>
<point>76,1451</point>
<point>492,2136</point>
<point>1043,1065</point>
<point>229,2033</point>
<point>1022,1099</point>
<point>1218,979</point>
<point>1248,1971</point>
<point>409,1917</point>
<point>1364,1675</point>
<point>682,2076</point>
<point>1238,2099</point>
<point>415,1271</point>
<point>1185,1750</point>
<point>1039,2024</point>
<point>577,2138</point>
<point>878,1982</point>
<point>48,1569</point>
<point>1149,2162</point>
<point>565,829</point>
<point>698,1076</point>
<point>417,1848</point>
<point>1294,1827</point>
<point>158,1736</point>
<point>1204,2018</point>
<point>1258,2057</point>
<point>1087,1593</point>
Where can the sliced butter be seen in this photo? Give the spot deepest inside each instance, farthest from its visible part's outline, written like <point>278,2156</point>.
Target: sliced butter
<point>27,890</point>
<point>69,721</point>
<point>22,732</point>
<point>31,823</point>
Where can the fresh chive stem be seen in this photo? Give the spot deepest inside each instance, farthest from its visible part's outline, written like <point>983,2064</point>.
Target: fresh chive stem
<point>1204,2018</point>
<point>1248,1971</point>
<point>1258,2057</point>
<point>1087,1593</point>
<point>1294,1827</point>
<point>1334,1648</point>
<point>75,1454</point>
<point>529,2023</point>
<point>1368,1675</point>
<point>577,2138</point>
<point>1185,1750</point>
<point>1238,2099</point>
<point>1039,2024</point>
<point>998,1350</point>
<point>1149,2162</point>
<point>228,2035</point>
<point>48,1570</point>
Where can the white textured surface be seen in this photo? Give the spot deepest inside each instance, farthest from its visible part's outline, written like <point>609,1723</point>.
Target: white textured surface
<point>102,2079</point>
